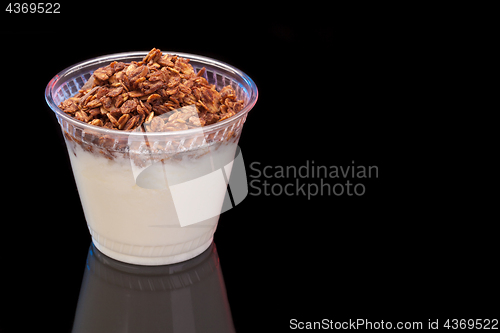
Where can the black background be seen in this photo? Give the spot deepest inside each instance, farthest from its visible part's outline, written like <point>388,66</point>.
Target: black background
<point>335,86</point>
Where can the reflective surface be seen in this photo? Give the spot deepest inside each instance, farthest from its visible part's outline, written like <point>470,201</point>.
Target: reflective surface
<point>186,297</point>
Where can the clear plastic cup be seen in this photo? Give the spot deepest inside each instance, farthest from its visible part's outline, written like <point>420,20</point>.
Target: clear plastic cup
<point>151,198</point>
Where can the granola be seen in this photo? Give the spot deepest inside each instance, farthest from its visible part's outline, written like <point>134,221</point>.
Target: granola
<point>131,96</point>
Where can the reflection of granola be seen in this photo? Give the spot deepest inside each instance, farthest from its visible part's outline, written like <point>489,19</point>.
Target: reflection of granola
<point>125,96</point>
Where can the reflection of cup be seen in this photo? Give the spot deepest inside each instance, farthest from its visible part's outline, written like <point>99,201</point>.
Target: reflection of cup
<point>184,297</point>
<point>151,198</point>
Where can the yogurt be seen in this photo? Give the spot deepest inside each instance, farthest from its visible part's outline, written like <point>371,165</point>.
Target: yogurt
<point>154,214</point>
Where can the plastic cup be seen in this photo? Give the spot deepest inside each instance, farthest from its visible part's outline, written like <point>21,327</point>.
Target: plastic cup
<point>151,198</point>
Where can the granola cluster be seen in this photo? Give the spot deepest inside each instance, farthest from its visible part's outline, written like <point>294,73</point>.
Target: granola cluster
<point>126,96</point>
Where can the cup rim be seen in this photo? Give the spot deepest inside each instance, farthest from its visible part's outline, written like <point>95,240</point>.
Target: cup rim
<point>124,56</point>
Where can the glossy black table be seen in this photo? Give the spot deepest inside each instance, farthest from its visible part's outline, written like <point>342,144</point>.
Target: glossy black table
<point>186,297</point>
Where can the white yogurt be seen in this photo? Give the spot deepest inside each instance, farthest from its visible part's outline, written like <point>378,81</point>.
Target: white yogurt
<point>160,214</point>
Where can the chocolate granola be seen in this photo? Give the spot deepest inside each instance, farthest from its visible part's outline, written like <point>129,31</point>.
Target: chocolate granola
<point>126,96</point>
